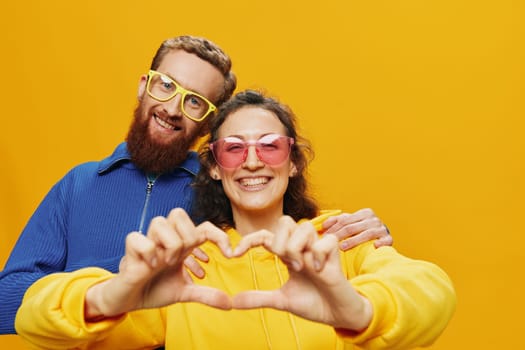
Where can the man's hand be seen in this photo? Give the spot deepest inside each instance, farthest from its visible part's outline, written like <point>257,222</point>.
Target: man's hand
<point>350,229</point>
<point>356,228</point>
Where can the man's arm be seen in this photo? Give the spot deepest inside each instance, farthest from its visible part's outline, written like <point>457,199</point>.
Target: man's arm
<point>40,250</point>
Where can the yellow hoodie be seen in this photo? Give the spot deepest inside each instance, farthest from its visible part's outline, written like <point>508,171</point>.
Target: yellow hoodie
<point>413,301</point>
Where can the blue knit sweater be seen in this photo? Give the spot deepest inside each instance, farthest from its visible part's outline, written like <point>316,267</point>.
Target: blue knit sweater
<point>84,219</point>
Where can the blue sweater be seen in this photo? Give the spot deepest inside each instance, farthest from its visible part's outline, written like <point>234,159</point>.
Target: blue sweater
<point>84,219</point>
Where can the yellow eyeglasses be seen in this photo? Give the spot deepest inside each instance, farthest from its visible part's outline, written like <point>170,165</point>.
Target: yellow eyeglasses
<point>162,88</point>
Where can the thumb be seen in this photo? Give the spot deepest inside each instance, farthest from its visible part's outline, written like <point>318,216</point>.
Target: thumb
<point>254,299</point>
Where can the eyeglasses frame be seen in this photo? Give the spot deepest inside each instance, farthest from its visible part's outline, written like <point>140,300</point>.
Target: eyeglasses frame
<point>183,92</point>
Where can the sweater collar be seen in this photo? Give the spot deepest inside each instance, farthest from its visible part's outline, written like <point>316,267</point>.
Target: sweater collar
<point>121,156</point>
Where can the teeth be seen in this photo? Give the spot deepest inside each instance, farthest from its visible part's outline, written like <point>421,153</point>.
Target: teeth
<point>163,123</point>
<point>254,181</point>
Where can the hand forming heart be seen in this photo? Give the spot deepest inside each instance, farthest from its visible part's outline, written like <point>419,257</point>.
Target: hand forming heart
<point>152,273</point>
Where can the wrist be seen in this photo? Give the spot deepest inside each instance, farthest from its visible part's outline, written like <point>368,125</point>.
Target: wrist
<point>91,310</point>
<point>94,304</point>
<point>356,319</point>
<point>365,315</point>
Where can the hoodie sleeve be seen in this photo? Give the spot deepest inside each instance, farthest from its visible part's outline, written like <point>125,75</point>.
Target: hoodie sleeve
<point>413,300</point>
<point>52,316</point>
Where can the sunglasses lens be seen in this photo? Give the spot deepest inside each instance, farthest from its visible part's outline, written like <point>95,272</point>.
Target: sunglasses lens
<point>230,152</point>
<point>273,149</point>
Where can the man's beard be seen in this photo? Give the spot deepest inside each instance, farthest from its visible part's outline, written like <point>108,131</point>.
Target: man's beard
<point>151,156</point>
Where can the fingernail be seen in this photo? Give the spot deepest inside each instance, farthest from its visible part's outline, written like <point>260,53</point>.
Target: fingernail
<point>317,265</point>
<point>295,265</point>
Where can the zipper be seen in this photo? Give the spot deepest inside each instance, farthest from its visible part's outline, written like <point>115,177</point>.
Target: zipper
<point>149,187</point>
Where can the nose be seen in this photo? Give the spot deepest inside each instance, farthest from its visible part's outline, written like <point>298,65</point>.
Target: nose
<point>252,161</point>
<point>173,106</point>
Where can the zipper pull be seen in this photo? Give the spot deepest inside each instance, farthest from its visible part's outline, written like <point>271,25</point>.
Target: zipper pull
<point>149,187</point>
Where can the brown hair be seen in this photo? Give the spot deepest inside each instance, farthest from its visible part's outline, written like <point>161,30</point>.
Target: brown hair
<point>211,202</point>
<point>206,50</point>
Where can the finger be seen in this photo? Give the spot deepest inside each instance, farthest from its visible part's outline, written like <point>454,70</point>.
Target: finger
<point>187,277</point>
<point>358,227</point>
<point>122,263</point>
<point>184,227</point>
<point>260,238</point>
<point>322,249</point>
<point>364,213</point>
<point>141,248</point>
<point>362,237</point>
<point>167,240</point>
<point>200,254</point>
<point>384,241</point>
<point>214,234</point>
<point>353,229</point>
<point>286,226</point>
<point>195,268</point>
<point>300,240</point>
<point>335,223</point>
<point>208,296</point>
<point>257,299</point>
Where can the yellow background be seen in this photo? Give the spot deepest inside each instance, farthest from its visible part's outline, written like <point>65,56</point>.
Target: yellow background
<point>415,109</point>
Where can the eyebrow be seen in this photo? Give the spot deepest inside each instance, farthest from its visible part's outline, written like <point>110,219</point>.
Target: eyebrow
<point>190,90</point>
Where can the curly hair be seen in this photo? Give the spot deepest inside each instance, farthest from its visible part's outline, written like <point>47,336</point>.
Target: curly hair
<point>206,50</point>
<point>211,202</point>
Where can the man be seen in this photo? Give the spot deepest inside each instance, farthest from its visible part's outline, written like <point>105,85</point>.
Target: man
<point>84,219</point>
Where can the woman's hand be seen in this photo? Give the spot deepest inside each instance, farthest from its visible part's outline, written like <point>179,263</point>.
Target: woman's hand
<point>193,265</point>
<point>351,230</point>
<point>152,272</point>
<point>317,288</point>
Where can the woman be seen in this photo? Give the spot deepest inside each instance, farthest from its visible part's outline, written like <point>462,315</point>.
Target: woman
<point>282,286</point>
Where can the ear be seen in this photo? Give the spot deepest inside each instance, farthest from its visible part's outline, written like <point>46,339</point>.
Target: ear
<point>293,170</point>
<point>142,87</point>
<point>215,173</point>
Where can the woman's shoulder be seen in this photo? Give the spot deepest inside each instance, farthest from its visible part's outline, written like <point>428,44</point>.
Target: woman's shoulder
<point>323,215</point>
